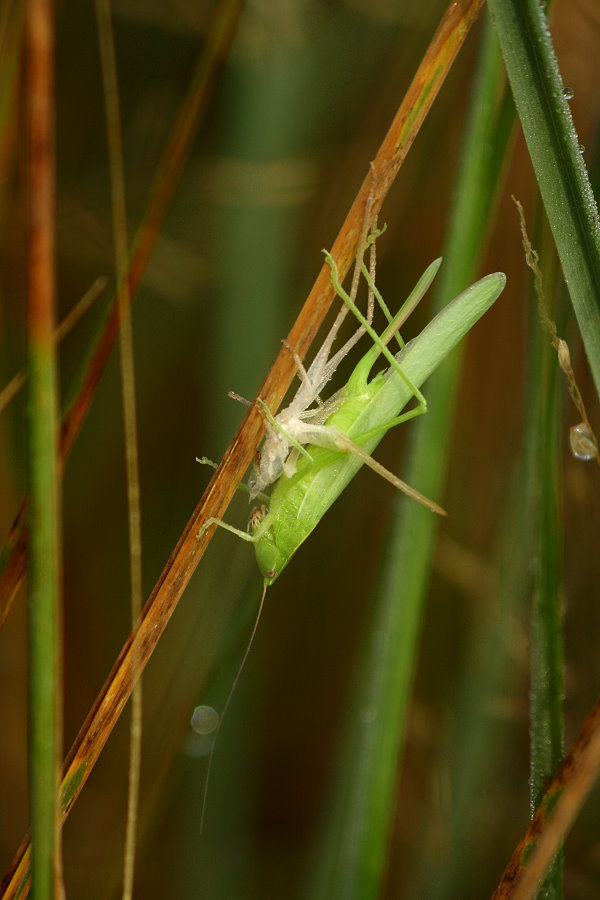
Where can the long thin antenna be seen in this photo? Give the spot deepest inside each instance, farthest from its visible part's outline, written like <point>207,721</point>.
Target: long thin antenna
<point>228,701</point>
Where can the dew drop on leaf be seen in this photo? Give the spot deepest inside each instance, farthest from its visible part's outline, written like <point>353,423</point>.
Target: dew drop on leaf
<point>583,443</point>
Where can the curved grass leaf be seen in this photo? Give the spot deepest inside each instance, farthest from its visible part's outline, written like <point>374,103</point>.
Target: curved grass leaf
<point>539,95</point>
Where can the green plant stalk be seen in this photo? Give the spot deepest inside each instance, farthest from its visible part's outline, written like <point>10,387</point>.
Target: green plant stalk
<point>490,672</point>
<point>126,356</point>
<point>352,853</point>
<point>44,663</point>
<point>530,531</point>
<point>554,149</point>
<point>44,613</point>
<point>546,688</point>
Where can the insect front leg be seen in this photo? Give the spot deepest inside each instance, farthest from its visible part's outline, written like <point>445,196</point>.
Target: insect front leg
<point>257,524</point>
<point>244,535</point>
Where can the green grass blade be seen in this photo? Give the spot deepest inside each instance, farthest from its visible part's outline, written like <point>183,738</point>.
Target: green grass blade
<point>557,159</point>
<point>546,669</point>
<point>112,106</point>
<point>43,584</point>
<point>43,617</point>
<point>529,531</point>
<point>353,852</point>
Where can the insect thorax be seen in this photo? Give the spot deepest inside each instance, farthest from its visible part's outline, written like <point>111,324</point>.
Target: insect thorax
<point>272,457</point>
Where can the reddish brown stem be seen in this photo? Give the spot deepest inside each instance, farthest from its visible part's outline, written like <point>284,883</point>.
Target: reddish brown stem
<point>554,816</point>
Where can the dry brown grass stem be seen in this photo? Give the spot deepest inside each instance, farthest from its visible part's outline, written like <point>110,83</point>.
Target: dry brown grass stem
<point>554,816</point>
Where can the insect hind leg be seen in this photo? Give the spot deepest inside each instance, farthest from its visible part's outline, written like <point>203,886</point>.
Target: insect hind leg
<point>332,438</point>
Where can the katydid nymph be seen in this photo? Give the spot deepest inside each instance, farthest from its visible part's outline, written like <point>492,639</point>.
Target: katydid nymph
<point>313,448</point>
<point>311,454</point>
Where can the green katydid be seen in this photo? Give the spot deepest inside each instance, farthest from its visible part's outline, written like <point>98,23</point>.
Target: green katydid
<point>327,452</point>
<point>311,453</point>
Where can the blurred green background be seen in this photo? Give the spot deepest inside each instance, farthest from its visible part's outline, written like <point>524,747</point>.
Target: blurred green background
<point>299,109</point>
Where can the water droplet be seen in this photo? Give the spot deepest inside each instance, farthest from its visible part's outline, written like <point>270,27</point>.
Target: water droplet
<point>582,441</point>
<point>581,149</point>
<point>568,93</point>
<point>204,720</point>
